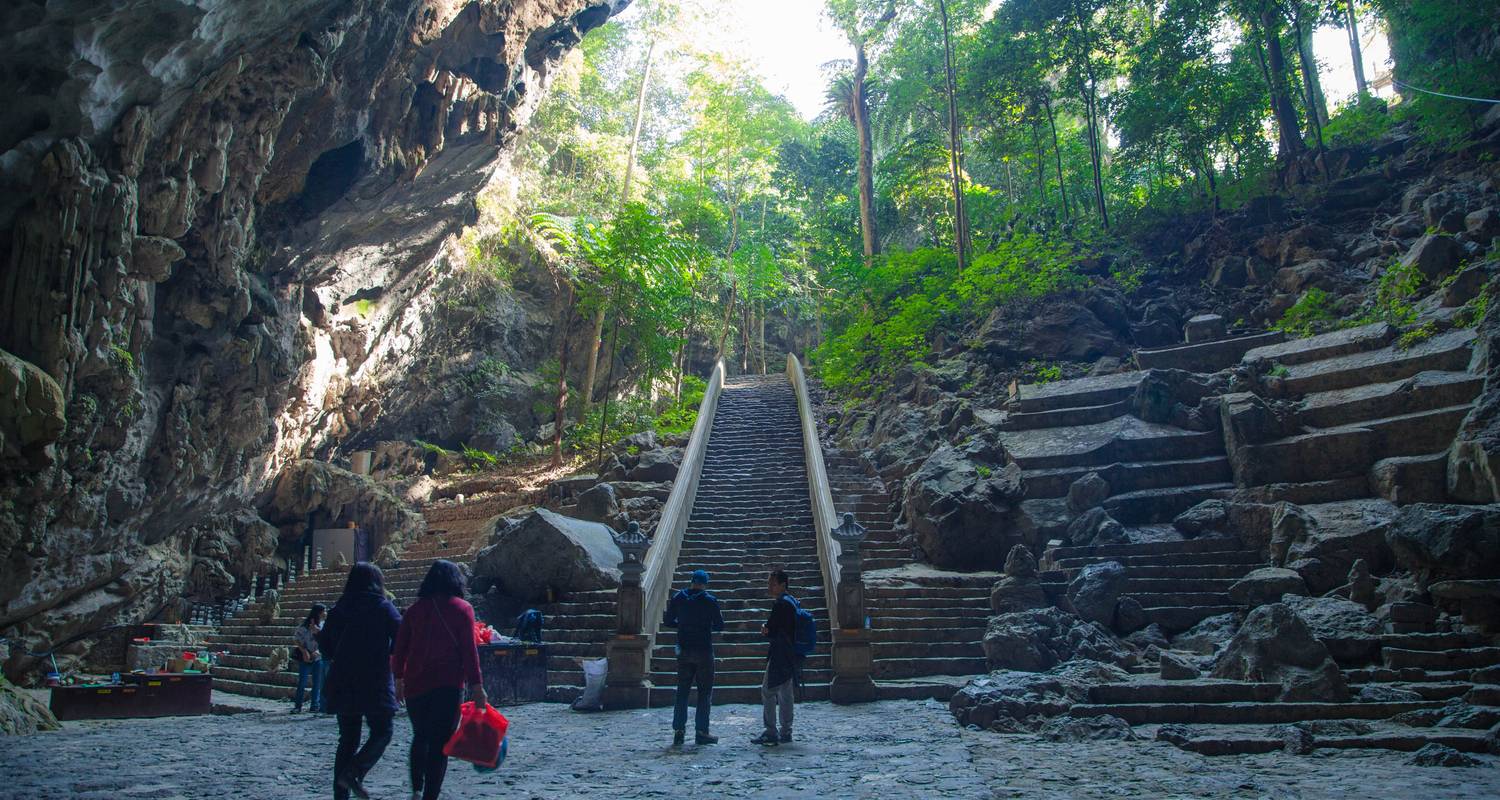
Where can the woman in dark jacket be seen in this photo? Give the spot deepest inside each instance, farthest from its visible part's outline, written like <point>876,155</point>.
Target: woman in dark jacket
<point>359,635</point>
<point>435,659</point>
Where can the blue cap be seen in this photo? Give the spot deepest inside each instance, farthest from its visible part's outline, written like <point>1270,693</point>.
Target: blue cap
<point>699,576</point>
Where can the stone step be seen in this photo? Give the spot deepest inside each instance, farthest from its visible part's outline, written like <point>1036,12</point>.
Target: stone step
<point>1398,658</point>
<point>1197,691</point>
<point>1421,392</point>
<point>1402,740</point>
<point>1210,356</point>
<point>1245,712</point>
<point>1204,545</point>
<point>1150,506</point>
<point>1182,599</point>
<point>1437,641</point>
<point>1131,477</point>
<point>1406,675</point>
<point>884,650</point>
<point>1176,559</point>
<point>1092,391</point>
<point>1064,417</point>
<point>1180,618</point>
<point>1445,352</point>
<point>916,667</point>
<point>666,676</point>
<point>1123,440</point>
<point>1325,346</point>
<point>952,633</point>
<point>1221,572</point>
<point>254,689</point>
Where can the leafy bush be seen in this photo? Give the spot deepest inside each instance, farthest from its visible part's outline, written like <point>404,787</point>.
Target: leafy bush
<point>1399,286</point>
<point>1363,119</point>
<point>477,459</point>
<point>1312,311</point>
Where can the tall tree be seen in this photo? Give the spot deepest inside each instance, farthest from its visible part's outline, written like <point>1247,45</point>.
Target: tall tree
<point>955,146</point>
<point>852,98</point>
<point>1356,52</point>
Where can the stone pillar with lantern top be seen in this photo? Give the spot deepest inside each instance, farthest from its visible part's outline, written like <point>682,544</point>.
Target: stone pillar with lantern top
<point>628,650</point>
<point>853,656</point>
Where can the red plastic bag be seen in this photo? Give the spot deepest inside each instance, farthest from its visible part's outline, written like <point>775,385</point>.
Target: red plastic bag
<point>480,732</point>
<point>483,633</point>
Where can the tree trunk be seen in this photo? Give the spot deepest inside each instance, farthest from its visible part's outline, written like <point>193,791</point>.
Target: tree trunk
<point>1289,129</point>
<point>640,114</point>
<point>560,406</point>
<point>591,373</point>
<point>1355,51</point>
<point>728,315</point>
<point>955,151</point>
<point>1052,121</point>
<point>1091,109</point>
<point>760,325</point>
<point>685,352</point>
<point>614,338</point>
<point>866,158</point>
<point>1317,104</point>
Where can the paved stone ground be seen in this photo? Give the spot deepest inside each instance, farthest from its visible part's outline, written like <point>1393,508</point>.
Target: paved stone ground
<point>880,750</point>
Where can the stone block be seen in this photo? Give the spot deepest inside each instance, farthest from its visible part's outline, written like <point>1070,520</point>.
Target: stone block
<point>1205,328</point>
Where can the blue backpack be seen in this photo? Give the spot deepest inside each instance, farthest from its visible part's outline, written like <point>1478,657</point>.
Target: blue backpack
<point>805,638</point>
<point>529,626</point>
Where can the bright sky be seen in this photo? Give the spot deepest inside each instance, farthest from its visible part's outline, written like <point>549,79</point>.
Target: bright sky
<point>789,41</point>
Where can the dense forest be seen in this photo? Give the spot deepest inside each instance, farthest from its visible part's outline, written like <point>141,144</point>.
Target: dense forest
<point>972,156</point>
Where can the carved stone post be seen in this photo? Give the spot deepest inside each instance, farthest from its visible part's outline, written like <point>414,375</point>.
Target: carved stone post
<point>853,657</point>
<point>628,650</point>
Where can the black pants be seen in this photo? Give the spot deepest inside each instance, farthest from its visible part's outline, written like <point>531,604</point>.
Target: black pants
<point>434,718</point>
<point>353,758</point>
<point>694,666</point>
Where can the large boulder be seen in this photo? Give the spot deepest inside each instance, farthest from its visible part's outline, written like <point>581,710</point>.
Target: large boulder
<point>31,412</point>
<point>1095,591</point>
<point>1017,700</point>
<point>1037,640</point>
<point>1276,646</point>
<point>1019,589</point>
<point>1095,526</point>
<point>656,465</point>
<point>599,504</point>
<point>547,550</point>
<point>962,505</point>
<point>1435,255</point>
<point>1266,585</point>
<point>1349,631</point>
<point>21,713</point>
<point>1439,542</point>
<point>1322,541</point>
<point>1056,331</point>
<point>1208,636</point>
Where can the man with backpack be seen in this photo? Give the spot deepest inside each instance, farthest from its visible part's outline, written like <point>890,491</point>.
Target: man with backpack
<point>792,635</point>
<point>696,615</point>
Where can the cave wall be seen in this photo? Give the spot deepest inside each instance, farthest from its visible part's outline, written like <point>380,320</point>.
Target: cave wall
<point>221,224</point>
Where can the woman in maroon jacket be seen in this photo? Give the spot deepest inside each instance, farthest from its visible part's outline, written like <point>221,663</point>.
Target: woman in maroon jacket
<point>435,657</point>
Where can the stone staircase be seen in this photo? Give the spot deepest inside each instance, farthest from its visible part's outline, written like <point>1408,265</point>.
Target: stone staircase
<point>925,628</point>
<point>752,514</point>
<point>1374,420</point>
<point>580,625</point>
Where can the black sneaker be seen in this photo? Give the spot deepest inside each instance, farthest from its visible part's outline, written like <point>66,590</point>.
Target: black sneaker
<point>351,782</point>
<point>705,738</point>
<point>786,737</point>
<point>677,737</point>
<point>768,739</point>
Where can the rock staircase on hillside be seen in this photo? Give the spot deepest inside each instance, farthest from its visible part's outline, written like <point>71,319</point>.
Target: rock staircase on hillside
<point>453,532</point>
<point>1372,423</point>
<point>925,626</point>
<point>752,514</point>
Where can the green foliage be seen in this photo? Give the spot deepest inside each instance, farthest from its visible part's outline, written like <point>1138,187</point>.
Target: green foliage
<point>899,305</point>
<point>1474,311</point>
<point>1399,286</point>
<point>1416,335</point>
<point>1279,371</point>
<point>126,359</point>
<point>1311,312</point>
<point>364,307</point>
<point>1364,118</point>
<point>429,447</point>
<point>1044,373</point>
<point>476,459</point>
<point>983,471</point>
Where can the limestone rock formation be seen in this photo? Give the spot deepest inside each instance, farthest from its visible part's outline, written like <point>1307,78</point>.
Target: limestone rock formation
<point>1443,541</point>
<point>1019,589</point>
<point>1209,635</point>
<point>1017,698</point>
<point>962,506</point>
<point>1037,640</point>
<point>215,218</point>
<point>21,713</point>
<point>1275,645</point>
<point>550,551</point>
<point>1096,590</point>
<point>331,496</point>
<point>1266,585</point>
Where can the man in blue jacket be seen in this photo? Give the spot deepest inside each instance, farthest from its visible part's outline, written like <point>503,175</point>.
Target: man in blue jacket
<point>696,615</point>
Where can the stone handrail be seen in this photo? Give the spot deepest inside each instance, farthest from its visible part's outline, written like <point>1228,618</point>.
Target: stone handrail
<point>661,559</point>
<point>825,519</point>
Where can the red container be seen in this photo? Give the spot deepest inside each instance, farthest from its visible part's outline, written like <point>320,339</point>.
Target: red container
<point>480,732</point>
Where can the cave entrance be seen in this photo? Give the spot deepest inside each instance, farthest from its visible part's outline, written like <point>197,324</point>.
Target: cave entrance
<point>331,177</point>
